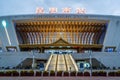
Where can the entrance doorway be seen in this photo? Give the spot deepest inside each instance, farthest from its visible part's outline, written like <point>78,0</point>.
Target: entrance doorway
<point>61,51</point>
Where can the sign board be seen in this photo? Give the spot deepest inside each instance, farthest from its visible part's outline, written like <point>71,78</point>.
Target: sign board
<point>66,10</point>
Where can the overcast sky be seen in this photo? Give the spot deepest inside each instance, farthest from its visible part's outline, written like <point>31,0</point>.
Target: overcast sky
<point>18,7</point>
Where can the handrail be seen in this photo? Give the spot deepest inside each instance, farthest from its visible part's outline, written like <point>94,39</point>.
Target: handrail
<point>56,63</point>
<point>74,63</point>
<point>65,63</point>
<point>48,62</point>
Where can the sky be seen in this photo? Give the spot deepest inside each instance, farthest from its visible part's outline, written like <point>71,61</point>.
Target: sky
<point>20,7</point>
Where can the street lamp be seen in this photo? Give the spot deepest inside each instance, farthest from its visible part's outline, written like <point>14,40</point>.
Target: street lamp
<point>90,53</point>
<point>4,25</point>
<point>33,60</point>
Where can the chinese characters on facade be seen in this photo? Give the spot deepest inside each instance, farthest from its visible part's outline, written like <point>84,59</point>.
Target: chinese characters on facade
<point>54,10</point>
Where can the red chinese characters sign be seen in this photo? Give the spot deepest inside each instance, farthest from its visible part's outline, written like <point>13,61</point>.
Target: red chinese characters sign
<point>54,10</point>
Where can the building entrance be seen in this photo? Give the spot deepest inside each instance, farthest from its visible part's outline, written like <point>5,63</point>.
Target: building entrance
<point>61,51</point>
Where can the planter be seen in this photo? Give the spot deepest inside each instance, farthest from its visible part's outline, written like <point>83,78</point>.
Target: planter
<point>95,74</point>
<point>30,73</point>
<point>52,73</point>
<point>8,73</point>
<point>24,73</point>
<point>15,73</point>
<point>102,73</point>
<point>66,73</point>
<point>111,74</point>
<point>38,73</point>
<point>80,74</point>
<point>45,73</point>
<point>1,73</point>
<point>118,73</point>
<point>73,73</point>
<point>59,73</point>
<point>86,74</point>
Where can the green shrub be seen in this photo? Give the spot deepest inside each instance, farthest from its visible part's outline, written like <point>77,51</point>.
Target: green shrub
<point>118,73</point>
<point>102,73</point>
<point>8,73</point>
<point>15,73</point>
<point>24,73</point>
<point>52,73</point>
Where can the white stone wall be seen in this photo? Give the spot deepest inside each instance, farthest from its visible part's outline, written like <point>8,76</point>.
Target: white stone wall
<point>109,59</point>
<point>11,33</point>
<point>112,37</point>
<point>12,59</point>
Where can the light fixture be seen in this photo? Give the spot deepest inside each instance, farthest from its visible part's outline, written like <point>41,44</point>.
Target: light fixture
<point>60,46</point>
<point>51,46</point>
<point>4,23</point>
<point>68,46</point>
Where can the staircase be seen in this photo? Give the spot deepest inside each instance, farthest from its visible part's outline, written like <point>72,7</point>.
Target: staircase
<point>61,62</point>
